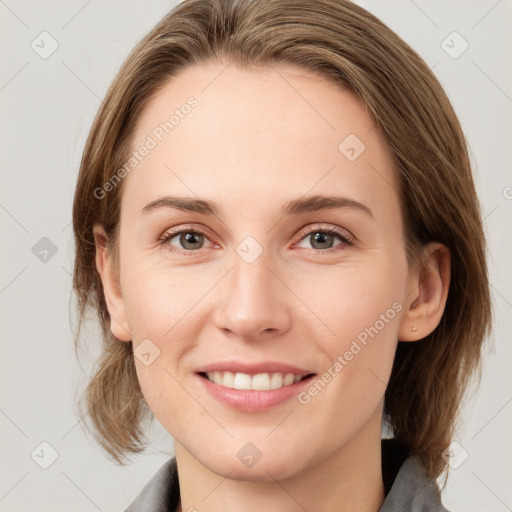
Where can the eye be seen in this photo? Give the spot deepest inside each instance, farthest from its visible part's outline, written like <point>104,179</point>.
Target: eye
<point>322,239</point>
<point>187,239</point>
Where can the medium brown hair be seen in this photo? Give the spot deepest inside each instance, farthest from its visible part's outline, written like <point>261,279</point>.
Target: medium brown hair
<point>349,45</point>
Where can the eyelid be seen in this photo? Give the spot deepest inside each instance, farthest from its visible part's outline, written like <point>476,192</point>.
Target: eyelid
<point>345,236</point>
<point>187,227</point>
<point>170,233</point>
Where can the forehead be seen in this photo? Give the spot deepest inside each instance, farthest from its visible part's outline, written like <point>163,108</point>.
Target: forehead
<point>216,127</point>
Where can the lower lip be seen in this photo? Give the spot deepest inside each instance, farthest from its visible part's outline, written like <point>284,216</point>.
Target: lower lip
<point>253,400</point>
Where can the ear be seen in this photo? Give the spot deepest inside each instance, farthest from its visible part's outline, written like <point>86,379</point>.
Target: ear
<point>111,287</point>
<point>426,301</point>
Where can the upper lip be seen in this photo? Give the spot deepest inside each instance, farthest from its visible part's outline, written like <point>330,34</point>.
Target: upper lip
<point>253,368</point>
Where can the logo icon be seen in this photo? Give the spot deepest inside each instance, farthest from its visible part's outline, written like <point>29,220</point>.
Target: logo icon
<point>454,45</point>
<point>44,250</point>
<point>351,147</point>
<point>455,455</point>
<point>44,455</point>
<point>44,45</point>
<point>146,352</point>
<point>249,454</point>
<point>249,249</point>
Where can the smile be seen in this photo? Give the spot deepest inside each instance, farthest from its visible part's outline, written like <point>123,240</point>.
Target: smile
<point>253,392</point>
<point>260,381</point>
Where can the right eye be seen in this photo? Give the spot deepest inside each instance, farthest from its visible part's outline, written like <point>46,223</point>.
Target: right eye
<point>189,240</point>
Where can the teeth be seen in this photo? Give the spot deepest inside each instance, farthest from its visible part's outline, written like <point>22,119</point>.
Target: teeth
<point>276,381</point>
<point>288,379</point>
<point>260,381</point>
<point>242,381</point>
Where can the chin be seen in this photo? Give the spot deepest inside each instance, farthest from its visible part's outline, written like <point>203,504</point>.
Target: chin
<point>268,468</point>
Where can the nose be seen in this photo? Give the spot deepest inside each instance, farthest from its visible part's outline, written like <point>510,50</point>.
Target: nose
<point>254,302</point>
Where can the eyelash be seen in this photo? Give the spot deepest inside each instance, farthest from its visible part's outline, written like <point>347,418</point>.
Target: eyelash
<point>345,238</point>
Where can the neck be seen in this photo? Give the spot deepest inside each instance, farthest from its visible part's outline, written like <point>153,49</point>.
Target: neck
<point>348,479</point>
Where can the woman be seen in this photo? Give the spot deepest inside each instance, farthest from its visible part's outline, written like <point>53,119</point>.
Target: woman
<point>237,139</point>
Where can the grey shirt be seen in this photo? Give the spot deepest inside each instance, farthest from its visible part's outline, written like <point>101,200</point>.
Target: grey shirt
<point>406,486</point>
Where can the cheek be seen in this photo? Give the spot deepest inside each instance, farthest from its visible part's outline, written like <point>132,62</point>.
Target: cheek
<point>362,307</point>
<point>161,300</point>
<point>353,299</point>
<point>159,309</point>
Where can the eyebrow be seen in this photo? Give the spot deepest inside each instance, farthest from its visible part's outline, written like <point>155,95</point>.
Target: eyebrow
<point>295,207</point>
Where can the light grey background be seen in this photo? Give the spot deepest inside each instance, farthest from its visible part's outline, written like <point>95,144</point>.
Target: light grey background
<point>47,106</point>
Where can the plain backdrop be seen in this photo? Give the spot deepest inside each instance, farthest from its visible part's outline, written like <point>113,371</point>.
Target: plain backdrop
<point>47,105</point>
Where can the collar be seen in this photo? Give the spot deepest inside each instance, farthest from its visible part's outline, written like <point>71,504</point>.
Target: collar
<point>406,486</point>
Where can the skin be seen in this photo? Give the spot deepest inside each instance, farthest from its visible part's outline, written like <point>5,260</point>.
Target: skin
<point>258,139</point>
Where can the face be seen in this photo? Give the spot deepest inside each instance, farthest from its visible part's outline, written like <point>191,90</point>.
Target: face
<point>258,275</point>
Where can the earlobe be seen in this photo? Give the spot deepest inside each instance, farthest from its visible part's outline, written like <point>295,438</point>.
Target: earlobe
<point>111,289</point>
<point>428,295</point>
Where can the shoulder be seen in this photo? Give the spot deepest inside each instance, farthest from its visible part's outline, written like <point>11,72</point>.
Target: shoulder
<point>161,493</point>
<point>408,489</point>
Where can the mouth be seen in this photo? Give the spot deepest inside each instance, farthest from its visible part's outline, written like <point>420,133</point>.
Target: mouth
<point>265,381</point>
<point>253,386</point>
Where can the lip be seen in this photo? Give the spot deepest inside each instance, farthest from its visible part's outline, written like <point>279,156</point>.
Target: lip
<point>253,400</point>
<point>253,368</point>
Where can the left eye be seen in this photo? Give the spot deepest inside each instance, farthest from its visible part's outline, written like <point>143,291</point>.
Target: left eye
<point>324,238</point>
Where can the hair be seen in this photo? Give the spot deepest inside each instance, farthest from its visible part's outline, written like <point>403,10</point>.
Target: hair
<point>346,44</point>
